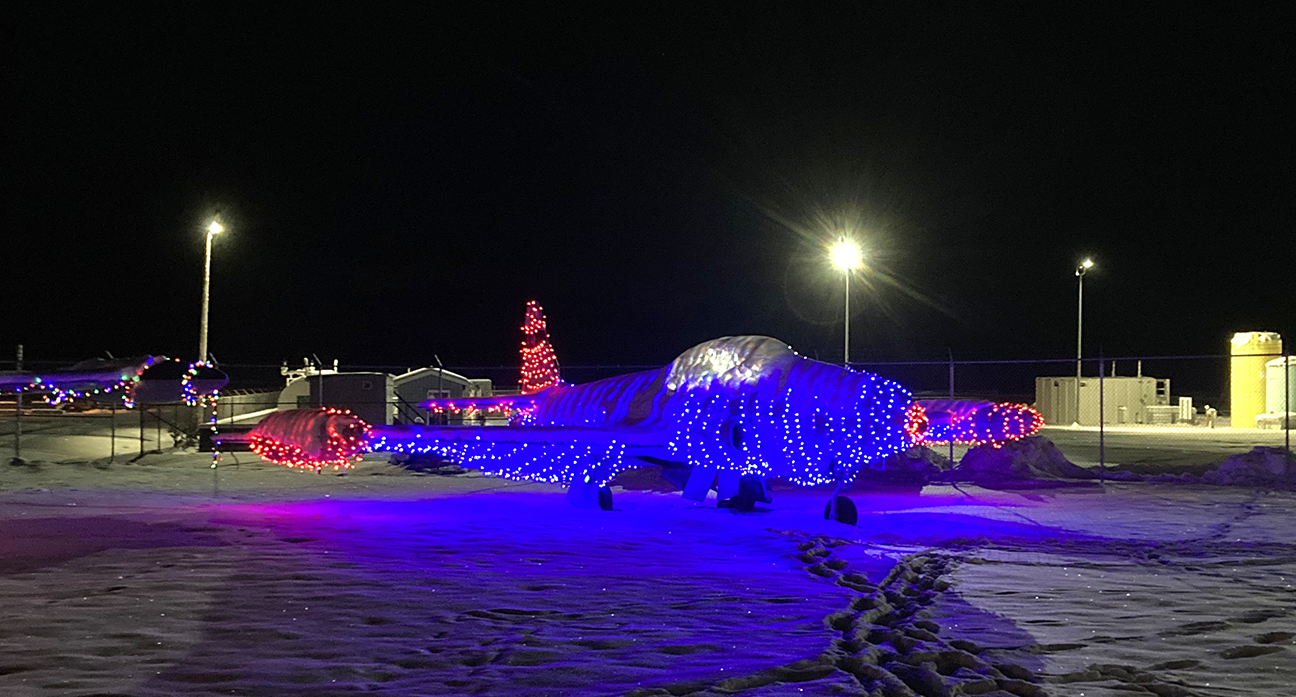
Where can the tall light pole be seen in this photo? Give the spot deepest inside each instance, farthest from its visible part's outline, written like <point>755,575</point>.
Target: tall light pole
<point>212,230</point>
<point>1080,274</point>
<point>846,255</point>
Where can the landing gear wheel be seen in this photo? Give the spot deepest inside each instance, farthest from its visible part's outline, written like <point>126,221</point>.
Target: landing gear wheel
<point>753,485</point>
<point>738,504</point>
<point>751,489</point>
<point>846,512</point>
<point>605,498</point>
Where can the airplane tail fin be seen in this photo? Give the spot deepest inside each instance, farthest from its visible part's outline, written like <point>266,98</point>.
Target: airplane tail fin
<point>539,362</point>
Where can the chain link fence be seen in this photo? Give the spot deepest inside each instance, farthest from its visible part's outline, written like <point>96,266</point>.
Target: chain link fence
<point>110,433</point>
<point>1144,414</point>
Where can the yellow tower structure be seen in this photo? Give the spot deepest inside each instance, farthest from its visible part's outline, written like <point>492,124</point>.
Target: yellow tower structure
<point>1250,351</point>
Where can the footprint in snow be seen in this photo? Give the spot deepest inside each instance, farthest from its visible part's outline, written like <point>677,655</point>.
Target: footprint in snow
<point>1250,651</point>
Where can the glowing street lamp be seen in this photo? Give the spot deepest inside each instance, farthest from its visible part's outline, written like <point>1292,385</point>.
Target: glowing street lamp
<point>1080,273</point>
<point>846,255</point>
<point>212,230</point>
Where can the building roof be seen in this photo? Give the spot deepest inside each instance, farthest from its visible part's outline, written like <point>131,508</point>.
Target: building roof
<point>431,371</point>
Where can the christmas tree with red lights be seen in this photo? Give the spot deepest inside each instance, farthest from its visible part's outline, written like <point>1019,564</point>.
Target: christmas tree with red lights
<point>539,363</point>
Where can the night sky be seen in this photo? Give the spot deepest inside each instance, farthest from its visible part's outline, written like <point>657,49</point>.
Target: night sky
<point>398,182</point>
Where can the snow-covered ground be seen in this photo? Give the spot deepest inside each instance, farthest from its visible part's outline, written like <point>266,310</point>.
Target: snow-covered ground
<point>1149,448</point>
<point>146,579</point>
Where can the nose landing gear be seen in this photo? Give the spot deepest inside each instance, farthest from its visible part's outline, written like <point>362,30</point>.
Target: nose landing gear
<point>751,489</point>
<point>839,507</point>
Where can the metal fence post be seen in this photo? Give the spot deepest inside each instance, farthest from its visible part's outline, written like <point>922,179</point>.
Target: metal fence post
<point>1102,459</point>
<point>141,425</point>
<point>112,433</point>
<point>18,410</point>
<point>1287,408</point>
<point>211,427</point>
<point>951,396</point>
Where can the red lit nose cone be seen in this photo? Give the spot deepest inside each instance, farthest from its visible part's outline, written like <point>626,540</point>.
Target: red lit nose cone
<point>916,422</point>
<point>1018,421</point>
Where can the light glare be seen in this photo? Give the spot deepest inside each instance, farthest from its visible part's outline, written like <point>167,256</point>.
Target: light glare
<point>846,255</point>
<point>215,228</point>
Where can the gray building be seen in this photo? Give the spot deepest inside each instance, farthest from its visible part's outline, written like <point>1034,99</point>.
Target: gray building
<point>379,398</point>
<point>421,384</point>
<point>368,395</point>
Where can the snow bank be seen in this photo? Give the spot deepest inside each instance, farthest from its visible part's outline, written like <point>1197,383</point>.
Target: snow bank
<point>1031,461</point>
<point>913,468</point>
<point>1263,467</point>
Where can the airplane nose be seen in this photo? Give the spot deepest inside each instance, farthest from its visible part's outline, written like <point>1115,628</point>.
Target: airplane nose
<point>916,423</point>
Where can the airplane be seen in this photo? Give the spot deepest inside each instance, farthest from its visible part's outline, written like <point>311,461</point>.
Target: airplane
<point>143,380</point>
<point>729,413</point>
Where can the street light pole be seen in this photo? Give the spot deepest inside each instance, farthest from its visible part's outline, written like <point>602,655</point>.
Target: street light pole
<point>846,348</point>
<point>846,255</point>
<point>1080,274</point>
<point>212,230</point>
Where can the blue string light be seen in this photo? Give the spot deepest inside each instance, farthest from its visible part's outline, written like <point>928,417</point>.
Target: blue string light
<point>748,405</point>
<point>787,416</point>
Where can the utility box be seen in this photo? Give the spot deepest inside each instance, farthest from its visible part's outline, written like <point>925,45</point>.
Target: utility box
<point>1161,414</point>
<point>1124,400</point>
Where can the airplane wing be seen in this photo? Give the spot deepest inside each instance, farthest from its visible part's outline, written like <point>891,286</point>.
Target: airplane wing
<point>501,403</point>
<point>149,379</point>
<point>550,435</point>
<point>319,438</point>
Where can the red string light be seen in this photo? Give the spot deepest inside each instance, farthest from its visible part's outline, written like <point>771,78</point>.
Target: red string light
<point>539,363</point>
<point>471,411</point>
<point>336,436</point>
<point>991,425</point>
<point>916,423</point>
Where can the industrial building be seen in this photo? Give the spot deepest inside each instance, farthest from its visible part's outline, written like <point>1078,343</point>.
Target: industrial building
<point>366,394</point>
<point>378,398</point>
<point>1262,389</point>
<point>419,385</point>
<point>1123,400</point>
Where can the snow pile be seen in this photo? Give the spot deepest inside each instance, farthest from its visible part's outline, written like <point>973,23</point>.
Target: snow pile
<point>1263,467</point>
<point>426,464</point>
<point>914,467</point>
<point>1033,459</point>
